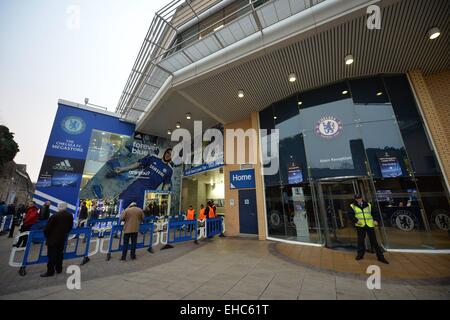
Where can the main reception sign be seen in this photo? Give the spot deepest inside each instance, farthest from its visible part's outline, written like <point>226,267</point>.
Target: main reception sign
<point>242,179</point>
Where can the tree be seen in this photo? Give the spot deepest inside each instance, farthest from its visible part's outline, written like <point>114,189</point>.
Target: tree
<point>8,147</point>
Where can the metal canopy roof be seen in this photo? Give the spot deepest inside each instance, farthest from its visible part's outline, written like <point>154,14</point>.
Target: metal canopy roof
<point>159,57</point>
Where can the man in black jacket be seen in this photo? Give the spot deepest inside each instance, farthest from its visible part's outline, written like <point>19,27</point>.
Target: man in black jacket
<point>44,213</point>
<point>56,232</point>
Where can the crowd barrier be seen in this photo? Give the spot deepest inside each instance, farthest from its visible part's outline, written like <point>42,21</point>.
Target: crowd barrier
<point>145,239</point>
<point>97,232</point>
<point>37,238</point>
<point>6,223</point>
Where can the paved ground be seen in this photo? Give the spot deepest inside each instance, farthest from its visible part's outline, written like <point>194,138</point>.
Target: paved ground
<point>228,268</point>
<point>414,267</point>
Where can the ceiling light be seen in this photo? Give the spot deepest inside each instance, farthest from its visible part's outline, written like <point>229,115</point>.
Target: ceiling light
<point>218,28</point>
<point>344,92</point>
<point>274,118</point>
<point>433,33</point>
<point>169,132</point>
<point>178,125</point>
<point>300,103</point>
<point>349,60</point>
<point>188,116</point>
<point>379,93</point>
<point>292,77</point>
<point>240,93</point>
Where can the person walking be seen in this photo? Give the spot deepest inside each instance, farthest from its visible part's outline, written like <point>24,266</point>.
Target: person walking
<point>56,232</point>
<point>365,224</point>
<point>31,218</point>
<point>44,212</point>
<point>133,217</point>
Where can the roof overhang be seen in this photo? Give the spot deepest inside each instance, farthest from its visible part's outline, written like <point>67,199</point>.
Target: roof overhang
<point>312,43</point>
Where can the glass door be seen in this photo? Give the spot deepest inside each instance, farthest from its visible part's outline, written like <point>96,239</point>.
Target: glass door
<point>335,197</point>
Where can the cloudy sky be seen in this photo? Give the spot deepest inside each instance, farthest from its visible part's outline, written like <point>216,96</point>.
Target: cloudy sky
<point>64,49</point>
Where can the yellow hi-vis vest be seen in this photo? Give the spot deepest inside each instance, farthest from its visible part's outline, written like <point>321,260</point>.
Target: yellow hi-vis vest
<point>364,216</point>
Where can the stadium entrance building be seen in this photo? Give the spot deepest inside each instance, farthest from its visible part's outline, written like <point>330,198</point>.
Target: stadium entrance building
<point>358,90</point>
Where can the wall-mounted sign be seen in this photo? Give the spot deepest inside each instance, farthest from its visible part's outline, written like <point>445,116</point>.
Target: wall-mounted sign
<point>242,179</point>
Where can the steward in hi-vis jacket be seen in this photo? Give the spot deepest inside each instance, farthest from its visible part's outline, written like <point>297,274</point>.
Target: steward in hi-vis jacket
<point>364,223</point>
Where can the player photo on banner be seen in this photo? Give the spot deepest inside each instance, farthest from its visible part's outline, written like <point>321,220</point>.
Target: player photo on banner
<point>129,167</point>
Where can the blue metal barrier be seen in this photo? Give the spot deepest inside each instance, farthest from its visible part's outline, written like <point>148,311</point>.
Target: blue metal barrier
<point>6,223</point>
<point>40,225</point>
<point>145,229</point>
<point>213,227</point>
<point>102,227</point>
<point>180,231</point>
<point>38,237</point>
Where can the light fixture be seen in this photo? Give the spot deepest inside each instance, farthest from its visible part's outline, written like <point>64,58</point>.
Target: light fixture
<point>299,103</point>
<point>275,118</point>
<point>379,93</point>
<point>178,125</point>
<point>188,116</point>
<point>344,92</point>
<point>169,132</point>
<point>241,93</point>
<point>292,77</point>
<point>434,33</point>
<point>218,27</point>
<point>349,60</point>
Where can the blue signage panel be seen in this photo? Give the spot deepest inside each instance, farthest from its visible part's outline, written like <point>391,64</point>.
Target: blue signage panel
<point>242,179</point>
<point>65,157</point>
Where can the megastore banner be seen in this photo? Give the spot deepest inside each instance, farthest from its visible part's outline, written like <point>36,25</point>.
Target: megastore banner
<point>94,156</point>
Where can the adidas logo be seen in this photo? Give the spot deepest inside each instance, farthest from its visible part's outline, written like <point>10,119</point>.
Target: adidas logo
<point>63,166</point>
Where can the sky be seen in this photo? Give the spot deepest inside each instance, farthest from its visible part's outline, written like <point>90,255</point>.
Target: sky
<point>64,49</point>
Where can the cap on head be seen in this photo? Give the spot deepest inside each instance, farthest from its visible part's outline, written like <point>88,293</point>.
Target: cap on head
<point>358,196</point>
<point>62,206</point>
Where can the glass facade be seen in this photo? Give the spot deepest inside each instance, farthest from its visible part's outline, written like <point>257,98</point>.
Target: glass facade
<point>358,136</point>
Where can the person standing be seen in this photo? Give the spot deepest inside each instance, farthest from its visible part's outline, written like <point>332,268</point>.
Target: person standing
<point>365,224</point>
<point>190,215</point>
<point>12,211</point>
<point>133,217</point>
<point>31,218</point>
<point>56,232</point>
<point>44,212</point>
<point>82,217</point>
<point>201,213</point>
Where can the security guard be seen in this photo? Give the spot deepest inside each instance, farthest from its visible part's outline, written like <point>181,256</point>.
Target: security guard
<point>365,223</point>
<point>190,213</point>
<point>201,214</point>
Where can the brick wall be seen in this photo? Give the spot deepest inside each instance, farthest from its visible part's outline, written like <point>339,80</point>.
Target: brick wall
<point>433,93</point>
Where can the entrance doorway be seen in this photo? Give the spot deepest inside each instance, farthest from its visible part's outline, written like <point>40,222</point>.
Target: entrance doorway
<point>334,197</point>
<point>248,220</point>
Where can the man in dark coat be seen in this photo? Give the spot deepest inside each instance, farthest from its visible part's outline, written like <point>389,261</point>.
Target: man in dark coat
<point>56,232</point>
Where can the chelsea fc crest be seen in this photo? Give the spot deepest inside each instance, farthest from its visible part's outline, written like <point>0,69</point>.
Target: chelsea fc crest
<point>73,125</point>
<point>329,127</point>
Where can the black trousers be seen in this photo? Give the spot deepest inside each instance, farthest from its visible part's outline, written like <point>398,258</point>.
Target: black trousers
<point>22,242</point>
<point>55,258</point>
<point>372,238</point>
<point>126,240</point>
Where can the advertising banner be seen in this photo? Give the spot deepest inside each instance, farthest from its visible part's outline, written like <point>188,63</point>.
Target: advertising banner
<point>93,155</point>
